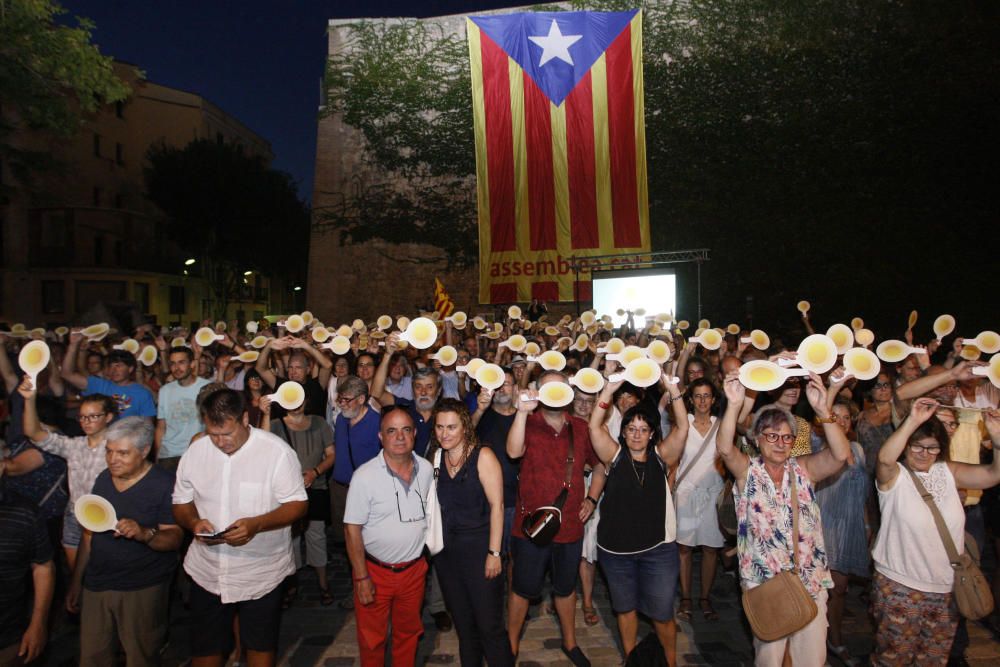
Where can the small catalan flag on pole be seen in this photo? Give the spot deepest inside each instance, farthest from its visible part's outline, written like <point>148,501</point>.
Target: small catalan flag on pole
<point>442,302</point>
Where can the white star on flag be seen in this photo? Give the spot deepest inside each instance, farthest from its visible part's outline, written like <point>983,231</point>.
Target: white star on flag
<point>555,44</point>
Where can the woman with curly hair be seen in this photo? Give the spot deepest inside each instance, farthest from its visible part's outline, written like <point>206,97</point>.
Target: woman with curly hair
<point>470,492</point>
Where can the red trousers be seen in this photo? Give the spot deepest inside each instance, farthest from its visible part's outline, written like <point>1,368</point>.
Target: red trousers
<point>398,595</point>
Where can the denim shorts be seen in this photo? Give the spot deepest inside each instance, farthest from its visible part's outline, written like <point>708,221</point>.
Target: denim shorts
<point>531,562</point>
<point>71,531</point>
<point>646,581</point>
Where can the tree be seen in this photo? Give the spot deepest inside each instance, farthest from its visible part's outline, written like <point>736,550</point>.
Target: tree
<point>231,211</point>
<point>51,76</point>
<point>819,149</point>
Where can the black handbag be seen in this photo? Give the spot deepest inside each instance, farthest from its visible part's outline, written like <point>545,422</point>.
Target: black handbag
<point>542,525</point>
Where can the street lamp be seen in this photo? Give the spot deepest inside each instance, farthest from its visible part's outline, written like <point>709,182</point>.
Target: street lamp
<point>190,261</point>
<point>297,288</point>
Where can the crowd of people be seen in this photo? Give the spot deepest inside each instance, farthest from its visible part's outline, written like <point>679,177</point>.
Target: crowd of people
<point>525,487</point>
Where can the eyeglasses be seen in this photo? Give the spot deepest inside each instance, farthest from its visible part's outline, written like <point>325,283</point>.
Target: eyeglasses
<point>702,397</point>
<point>399,509</point>
<point>786,438</point>
<point>882,385</point>
<point>792,383</point>
<point>919,449</point>
<point>91,418</point>
<point>344,400</point>
<point>637,430</point>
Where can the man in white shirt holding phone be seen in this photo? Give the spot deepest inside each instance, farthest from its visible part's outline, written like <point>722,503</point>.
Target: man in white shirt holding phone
<point>238,490</point>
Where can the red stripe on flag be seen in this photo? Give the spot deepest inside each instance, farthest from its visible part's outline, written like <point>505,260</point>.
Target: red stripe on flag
<point>584,290</point>
<point>499,145</point>
<point>621,134</point>
<point>541,190</point>
<point>580,163</point>
<point>503,292</point>
<point>546,291</point>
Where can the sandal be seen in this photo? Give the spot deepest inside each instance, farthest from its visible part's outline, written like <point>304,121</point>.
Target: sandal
<point>325,598</point>
<point>684,609</point>
<point>590,616</point>
<point>707,610</point>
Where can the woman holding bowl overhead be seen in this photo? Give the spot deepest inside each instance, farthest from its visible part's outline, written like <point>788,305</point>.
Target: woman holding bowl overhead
<point>636,537</point>
<point>764,501</point>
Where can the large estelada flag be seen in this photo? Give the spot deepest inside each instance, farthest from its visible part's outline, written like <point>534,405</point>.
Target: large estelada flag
<point>560,148</point>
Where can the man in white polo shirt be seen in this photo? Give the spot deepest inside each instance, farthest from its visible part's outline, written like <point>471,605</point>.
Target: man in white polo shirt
<point>385,525</point>
<point>238,490</point>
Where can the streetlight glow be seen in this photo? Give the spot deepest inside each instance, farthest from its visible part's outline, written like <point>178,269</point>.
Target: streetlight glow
<point>189,262</point>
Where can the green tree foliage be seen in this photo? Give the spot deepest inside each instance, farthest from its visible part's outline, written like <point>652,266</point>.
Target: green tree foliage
<point>821,149</point>
<point>51,76</point>
<point>229,210</point>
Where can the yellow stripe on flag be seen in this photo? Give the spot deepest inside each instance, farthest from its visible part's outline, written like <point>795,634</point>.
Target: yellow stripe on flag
<point>560,177</point>
<point>640,129</point>
<point>602,155</point>
<point>521,209</point>
<point>482,170</point>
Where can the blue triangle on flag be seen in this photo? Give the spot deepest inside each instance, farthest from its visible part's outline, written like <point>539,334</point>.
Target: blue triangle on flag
<point>556,49</point>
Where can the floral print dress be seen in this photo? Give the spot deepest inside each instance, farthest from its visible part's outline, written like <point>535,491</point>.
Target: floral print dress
<point>764,537</point>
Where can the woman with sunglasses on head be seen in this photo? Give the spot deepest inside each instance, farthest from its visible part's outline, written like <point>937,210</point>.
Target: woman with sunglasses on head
<point>911,594</point>
<point>636,537</point>
<point>764,509</point>
<point>787,398</point>
<point>875,423</point>
<point>470,492</point>
<point>85,456</point>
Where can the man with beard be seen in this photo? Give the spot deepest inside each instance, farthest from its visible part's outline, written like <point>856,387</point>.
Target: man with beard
<point>133,399</point>
<point>355,442</point>
<point>550,442</point>
<point>299,369</point>
<point>426,390</point>
<point>177,418</point>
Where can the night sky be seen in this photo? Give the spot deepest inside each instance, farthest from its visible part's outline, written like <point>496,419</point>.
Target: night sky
<point>260,61</point>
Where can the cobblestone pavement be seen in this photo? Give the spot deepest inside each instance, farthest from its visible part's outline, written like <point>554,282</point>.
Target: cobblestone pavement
<point>317,636</point>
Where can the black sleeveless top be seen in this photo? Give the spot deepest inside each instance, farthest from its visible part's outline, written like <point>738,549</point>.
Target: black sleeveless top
<point>633,515</point>
<point>464,507</point>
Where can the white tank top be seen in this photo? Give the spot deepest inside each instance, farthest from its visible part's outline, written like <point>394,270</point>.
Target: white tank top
<point>908,548</point>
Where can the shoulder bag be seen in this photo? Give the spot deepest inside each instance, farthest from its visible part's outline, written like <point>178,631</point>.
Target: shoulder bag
<point>435,528</point>
<point>781,605</point>
<point>542,525</point>
<point>971,590</point>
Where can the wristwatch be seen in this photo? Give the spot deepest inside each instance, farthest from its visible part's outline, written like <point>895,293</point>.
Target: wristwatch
<point>829,420</point>
<point>493,553</point>
<point>152,534</point>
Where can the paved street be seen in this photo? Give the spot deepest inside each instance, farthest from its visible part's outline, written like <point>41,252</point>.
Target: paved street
<point>313,635</point>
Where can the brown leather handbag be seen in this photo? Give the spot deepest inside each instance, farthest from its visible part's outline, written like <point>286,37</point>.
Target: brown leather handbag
<point>971,590</point>
<point>781,605</point>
